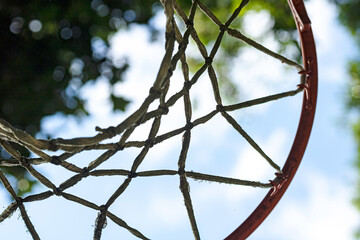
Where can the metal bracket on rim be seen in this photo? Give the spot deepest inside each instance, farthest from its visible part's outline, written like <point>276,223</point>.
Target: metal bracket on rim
<point>305,84</point>
<point>278,182</point>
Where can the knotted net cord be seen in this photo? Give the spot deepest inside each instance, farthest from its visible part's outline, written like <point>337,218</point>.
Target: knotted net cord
<point>158,92</point>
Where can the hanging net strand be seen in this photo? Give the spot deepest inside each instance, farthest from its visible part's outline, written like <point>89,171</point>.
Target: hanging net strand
<point>124,130</point>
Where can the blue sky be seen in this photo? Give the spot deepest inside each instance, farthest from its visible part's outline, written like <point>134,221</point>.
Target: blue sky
<point>317,204</point>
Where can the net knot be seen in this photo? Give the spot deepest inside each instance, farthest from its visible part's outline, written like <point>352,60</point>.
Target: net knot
<point>181,171</point>
<point>57,191</point>
<point>132,175</point>
<point>53,145</point>
<point>208,60</point>
<point>189,23</point>
<point>19,200</point>
<point>189,126</point>
<point>182,45</point>
<point>222,28</point>
<point>24,161</point>
<point>103,208</point>
<point>119,146</point>
<point>155,92</point>
<point>220,108</point>
<point>55,160</point>
<point>149,143</point>
<point>165,109</point>
<point>170,73</point>
<point>187,85</point>
<point>85,172</point>
<point>111,131</point>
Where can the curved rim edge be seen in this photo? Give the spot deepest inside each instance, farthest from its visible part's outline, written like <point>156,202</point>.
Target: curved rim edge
<point>283,180</point>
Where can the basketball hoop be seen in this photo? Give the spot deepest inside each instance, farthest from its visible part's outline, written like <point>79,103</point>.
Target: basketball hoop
<point>158,93</point>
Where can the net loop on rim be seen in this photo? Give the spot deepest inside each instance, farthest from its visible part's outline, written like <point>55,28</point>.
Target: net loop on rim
<point>158,92</point>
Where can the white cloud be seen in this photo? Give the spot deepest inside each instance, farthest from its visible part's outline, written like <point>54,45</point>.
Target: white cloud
<point>256,23</point>
<point>329,35</point>
<point>97,95</point>
<point>251,165</point>
<point>323,211</point>
<point>144,59</point>
<point>168,212</point>
<point>323,24</point>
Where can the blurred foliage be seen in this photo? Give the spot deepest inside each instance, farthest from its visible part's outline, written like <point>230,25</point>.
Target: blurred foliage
<point>349,16</point>
<point>282,28</point>
<point>49,49</point>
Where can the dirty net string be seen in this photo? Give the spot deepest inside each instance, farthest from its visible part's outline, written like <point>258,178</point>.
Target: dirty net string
<point>158,92</point>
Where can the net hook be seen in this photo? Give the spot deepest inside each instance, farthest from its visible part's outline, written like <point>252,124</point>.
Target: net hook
<point>278,182</point>
<point>305,84</point>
